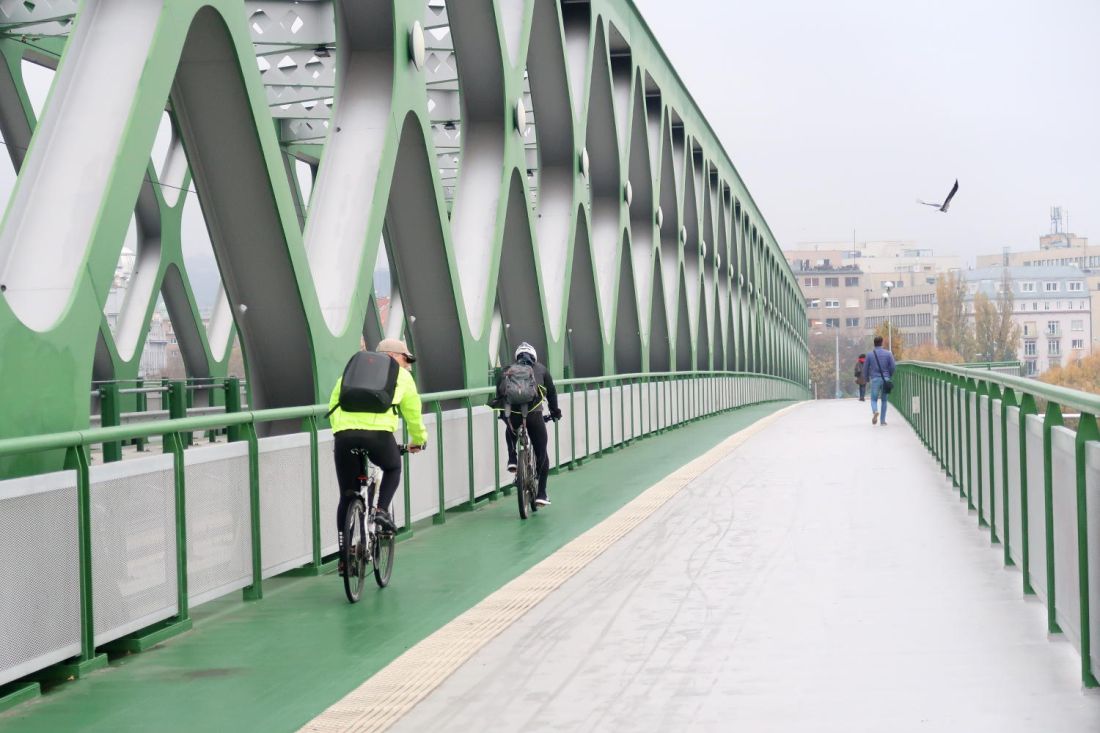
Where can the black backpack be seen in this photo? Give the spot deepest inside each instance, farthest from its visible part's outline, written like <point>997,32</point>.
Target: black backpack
<point>369,383</point>
<point>518,385</point>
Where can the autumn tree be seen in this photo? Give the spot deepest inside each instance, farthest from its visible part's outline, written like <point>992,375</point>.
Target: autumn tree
<point>892,339</point>
<point>996,336</point>
<point>953,329</point>
<point>1083,375</point>
<point>934,354</point>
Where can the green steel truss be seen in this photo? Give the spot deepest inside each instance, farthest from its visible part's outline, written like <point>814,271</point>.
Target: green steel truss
<point>536,168</point>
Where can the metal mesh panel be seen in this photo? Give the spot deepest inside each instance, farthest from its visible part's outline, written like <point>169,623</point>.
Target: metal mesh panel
<point>1015,523</point>
<point>998,469</point>
<point>1036,519</point>
<point>485,423</point>
<point>610,428</point>
<point>40,604</point>
<point>972,441</point>
<point>1092,499</point>
<point>983,425</point>
<point>1067,595</point>
<point>328,491</point>
<point>133,545</point>
<point>456,458</point>
<point>219,535</point>
<point>424,476</point>
<point>286,503</point>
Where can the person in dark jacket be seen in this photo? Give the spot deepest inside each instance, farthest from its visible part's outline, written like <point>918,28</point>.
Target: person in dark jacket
<point>861,381</point>
<point>878,368</point>
<point>536,423</point>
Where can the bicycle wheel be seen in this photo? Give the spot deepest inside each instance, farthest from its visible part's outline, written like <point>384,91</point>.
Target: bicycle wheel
<point>532,480</point>
<point>383,557</point>
<point>354,551</point>
<point>523,481</point>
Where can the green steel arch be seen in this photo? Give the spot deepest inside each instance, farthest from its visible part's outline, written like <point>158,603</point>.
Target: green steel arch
<point>537,168</point>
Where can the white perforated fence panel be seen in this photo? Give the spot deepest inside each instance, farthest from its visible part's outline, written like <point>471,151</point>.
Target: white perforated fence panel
<point>1067,589</point>
<point>972,461</point>
<point>134,581</point>
<point>40,603</point>
<point>983,466</point>
<point>286,503</point>
<point>1092,502</point>
<point>1036,516</point>
<point>219,534</point>
<point>998,469</point>
<point>328,492</point>
<point>456,458</point>
<point>1014,508</point>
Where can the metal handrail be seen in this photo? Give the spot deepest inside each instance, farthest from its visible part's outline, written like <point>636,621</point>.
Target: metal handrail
<point>132,431</point>
<point>1081,401</point>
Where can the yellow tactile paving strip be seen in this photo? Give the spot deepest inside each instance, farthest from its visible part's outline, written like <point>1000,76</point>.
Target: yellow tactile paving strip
<point>384,698</point>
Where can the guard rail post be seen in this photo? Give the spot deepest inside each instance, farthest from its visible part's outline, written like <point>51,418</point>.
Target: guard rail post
<point>1087,432</point>
<point>1008,401</point>
<point>255,591</point>
<point>470,451</point>
<point>994,396</point>
<point>981,460</point>
<point>1052,418</point>
<point>141,404</point>
<point>177,407</point>
<point>232,387</point>
<point>1027,407</point>
<point>110,415</point>
<point>441,515</point>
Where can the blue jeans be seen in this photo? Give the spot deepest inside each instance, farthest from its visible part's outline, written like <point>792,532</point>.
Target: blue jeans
<point>876,395</point>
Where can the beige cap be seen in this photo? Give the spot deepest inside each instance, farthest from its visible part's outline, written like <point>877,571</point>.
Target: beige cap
<point>394,346</point>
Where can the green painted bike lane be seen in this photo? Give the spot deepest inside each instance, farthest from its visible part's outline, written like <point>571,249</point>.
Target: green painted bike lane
<point>272,665</point>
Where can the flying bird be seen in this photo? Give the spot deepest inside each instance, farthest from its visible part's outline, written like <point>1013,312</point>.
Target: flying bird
<point>947,201</point>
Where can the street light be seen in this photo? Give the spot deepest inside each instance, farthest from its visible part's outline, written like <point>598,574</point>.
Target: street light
<point>889,285</point>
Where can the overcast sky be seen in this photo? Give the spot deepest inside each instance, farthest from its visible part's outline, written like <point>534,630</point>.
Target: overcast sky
<point>839,115</point>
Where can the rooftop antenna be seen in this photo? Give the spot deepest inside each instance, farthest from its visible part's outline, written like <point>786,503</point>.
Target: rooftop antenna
<point>1055,219</point>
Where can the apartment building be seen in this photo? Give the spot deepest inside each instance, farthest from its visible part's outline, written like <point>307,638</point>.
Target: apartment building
<point>1062,250</point>
<point>1052,306</point>
<point>834,296</point>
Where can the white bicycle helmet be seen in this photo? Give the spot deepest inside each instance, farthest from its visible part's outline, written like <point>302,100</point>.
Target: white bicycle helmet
<point>526,348</point>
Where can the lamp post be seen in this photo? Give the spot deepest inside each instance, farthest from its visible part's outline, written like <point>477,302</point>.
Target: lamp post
<point>889,285</point>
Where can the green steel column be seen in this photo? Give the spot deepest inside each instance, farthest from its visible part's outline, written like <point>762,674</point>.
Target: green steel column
<point>1027,407</point>
<point>1008,401</point>
<point>255,591</point>
<point>1051,419</point>
<point>110,413</point>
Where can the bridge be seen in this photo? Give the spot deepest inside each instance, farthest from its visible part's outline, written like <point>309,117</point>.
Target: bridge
<point>720,551</point>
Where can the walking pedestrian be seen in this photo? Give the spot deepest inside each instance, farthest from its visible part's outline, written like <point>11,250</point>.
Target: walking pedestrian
<point>878,370</point>
<point>861,381</point>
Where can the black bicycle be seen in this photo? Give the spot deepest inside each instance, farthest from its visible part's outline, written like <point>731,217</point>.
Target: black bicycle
<point>527,474</point>
<point>365,541</point>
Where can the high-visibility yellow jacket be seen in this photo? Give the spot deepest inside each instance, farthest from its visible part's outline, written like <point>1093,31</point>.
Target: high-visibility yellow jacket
<point>405,398</point>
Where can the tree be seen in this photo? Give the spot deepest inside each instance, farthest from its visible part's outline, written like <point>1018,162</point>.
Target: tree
<point>952,326</point>
<point>823,356</point>
<point>892,338</point>
<point>934,354</point>
<point>1083,375</point>
<point>996,336</point>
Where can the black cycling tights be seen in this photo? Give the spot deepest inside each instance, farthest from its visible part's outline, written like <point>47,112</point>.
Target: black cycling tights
<point>536,431</point>
<point>381,448</point>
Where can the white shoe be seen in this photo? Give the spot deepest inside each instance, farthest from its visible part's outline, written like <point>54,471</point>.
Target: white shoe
<point>511,468</point>
<point>542,502</point>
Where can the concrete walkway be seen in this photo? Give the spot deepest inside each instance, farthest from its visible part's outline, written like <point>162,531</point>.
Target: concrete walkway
<point>822,577</point>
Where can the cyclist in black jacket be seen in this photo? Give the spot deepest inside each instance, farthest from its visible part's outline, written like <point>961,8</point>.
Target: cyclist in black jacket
<point>536,423</point>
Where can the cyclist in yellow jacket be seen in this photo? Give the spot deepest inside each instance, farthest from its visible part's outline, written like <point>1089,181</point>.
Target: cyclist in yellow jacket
<point>373,433</point>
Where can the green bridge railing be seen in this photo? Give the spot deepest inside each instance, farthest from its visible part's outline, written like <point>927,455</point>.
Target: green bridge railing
<point>135,542</point>
<point>1026,458</point>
